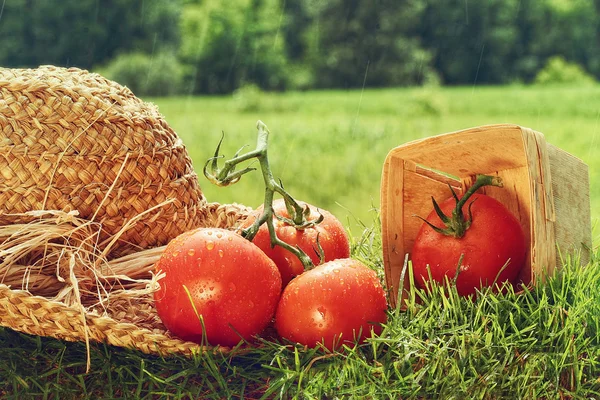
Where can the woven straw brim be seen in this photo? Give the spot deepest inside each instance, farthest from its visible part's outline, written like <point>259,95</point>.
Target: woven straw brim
<point>125,319</point>
<point>36,315</point>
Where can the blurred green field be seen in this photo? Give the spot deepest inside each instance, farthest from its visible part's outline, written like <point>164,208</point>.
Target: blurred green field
<point>328,147</point>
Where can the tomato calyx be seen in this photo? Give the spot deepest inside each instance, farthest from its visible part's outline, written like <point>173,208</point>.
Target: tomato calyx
<point>457,224</point>
<point>227,175</point>
<point>299,221</point>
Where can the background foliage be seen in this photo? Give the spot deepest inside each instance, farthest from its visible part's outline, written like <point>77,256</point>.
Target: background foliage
<point>218,47</point>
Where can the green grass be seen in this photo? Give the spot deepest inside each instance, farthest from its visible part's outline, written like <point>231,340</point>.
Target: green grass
<point>328,148</point>
<point>543,342</point>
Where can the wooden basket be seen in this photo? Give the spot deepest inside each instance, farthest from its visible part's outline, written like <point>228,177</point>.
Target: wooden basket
<point>545,187</point>
<point>100,172</point>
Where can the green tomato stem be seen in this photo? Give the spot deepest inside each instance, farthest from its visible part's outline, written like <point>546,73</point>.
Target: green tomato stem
<point>227,176</point>
<point>457,225</point>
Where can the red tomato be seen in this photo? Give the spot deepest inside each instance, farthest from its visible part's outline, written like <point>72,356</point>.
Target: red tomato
<point>493,238</point>
<point>335,302</point>
<point>221,276</point>
<point>332,238</point>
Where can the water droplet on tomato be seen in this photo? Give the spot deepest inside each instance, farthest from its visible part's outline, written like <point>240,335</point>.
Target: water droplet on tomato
<point>230,238</point>
<point>337,271</point>
<point>322,311</point>
<point>219,235</point>
<point>191,252</point>
<point>251,304</point>
<point>209,233</point>
<point>221,253</point>
<point>210,245</point>
<point>176,253</point>
<point>232,287</point>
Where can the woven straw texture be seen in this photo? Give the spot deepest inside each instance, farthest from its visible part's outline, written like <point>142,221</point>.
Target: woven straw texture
<point>67,136</point>
<point>93,184</point>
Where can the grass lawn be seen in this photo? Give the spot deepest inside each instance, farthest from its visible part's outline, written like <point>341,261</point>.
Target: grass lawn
<point>328,149</point>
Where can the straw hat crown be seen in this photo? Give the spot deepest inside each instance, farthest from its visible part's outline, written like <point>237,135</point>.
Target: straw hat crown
<point>73,140</point>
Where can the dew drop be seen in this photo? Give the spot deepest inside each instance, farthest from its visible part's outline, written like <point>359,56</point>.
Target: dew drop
<point>221,253</point>
<point>209,232</point>
<point>232,287</point>
<point>191,252</point>
<point>251,304</point>
<point>219,235</point>
<point>322,311</point>
<point>337,271</point>
<point>210,245</point>
<point>230,238</point>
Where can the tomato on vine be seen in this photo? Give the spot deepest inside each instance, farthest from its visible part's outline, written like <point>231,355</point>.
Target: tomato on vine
<point>484,248</point>
<point>326,240</point>
<point>298,223</point>
<point>334,303</point>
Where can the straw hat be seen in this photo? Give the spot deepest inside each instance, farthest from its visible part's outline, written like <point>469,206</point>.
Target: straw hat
<point>92,182</point>
<point>73,140</point>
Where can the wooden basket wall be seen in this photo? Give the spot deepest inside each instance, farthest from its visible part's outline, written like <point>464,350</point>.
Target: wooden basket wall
<point>80,145</point>
<point>544,186</point>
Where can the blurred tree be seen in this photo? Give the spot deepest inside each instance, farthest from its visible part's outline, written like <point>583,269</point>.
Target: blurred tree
<point>277,44</point>
<point>159,74</point>
<point>295,27</point>
<point>229,44</point>
<point>501,41</point>
<point>551,28</point>
<point>84,32</point>
<point>352,42</point>
<point>579,23</point>
<point>534,39</point>
<point>472,41</point>
<point>559,71</point>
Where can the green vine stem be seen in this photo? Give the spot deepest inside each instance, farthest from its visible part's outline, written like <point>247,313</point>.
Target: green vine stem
<point>228,175</point>
<point>457,225</point>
